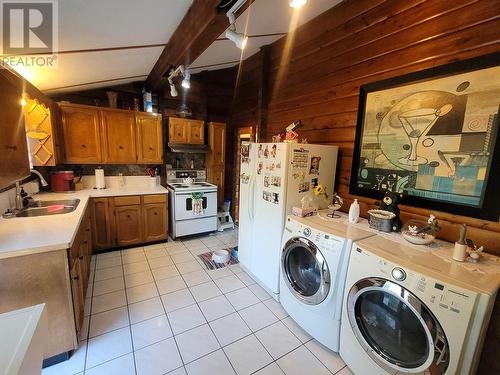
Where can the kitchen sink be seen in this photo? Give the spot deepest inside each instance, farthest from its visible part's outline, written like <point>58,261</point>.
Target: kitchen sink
<point>45,208</point>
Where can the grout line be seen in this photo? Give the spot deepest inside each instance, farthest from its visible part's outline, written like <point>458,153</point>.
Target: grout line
<point>128,316</point>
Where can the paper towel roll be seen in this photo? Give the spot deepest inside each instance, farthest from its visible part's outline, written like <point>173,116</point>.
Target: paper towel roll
<point>99,179</point>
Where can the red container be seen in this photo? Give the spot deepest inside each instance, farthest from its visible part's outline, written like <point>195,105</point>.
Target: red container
<point>61,181</point>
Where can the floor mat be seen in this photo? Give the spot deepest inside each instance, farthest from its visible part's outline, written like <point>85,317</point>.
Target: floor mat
<point>211,265</point>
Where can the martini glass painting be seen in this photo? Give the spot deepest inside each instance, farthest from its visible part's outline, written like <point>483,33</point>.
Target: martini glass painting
<point>415,123</point>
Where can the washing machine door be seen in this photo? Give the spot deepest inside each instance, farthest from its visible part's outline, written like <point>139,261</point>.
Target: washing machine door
<point>396,329</point>
<point>305,271</point>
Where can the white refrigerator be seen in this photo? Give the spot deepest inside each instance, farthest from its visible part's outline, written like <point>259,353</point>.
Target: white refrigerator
<point>273,178</point>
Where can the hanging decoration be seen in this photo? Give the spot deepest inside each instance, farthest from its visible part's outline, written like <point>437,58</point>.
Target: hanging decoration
<point>197,203</point>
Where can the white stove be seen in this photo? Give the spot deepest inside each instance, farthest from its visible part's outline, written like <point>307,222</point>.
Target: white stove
<point>185,219</point>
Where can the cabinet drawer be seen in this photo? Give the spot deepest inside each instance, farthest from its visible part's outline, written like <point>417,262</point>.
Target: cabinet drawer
<point>157,198</point>
<point>128,200</point>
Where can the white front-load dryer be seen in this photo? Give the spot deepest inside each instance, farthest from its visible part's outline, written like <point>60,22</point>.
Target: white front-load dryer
<point>407,311</point>
<point>313,268</point>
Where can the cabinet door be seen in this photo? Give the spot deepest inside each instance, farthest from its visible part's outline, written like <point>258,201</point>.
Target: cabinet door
<point>39,125</point>
<point>196,132</point>
<point>177,130</point>
<point>102,223</point>
<point>77,295</point>
<point>155,221</point>
<point>14,162</point>
<point>215,175</point>
<point>81,134</point>
<point>149,138</point>
<point>128,225</point>
<point>217,142</point>
<point>118,128</point>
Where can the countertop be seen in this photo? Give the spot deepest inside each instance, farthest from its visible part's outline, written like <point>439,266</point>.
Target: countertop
<point>30,235</point>
<point>22,339</point>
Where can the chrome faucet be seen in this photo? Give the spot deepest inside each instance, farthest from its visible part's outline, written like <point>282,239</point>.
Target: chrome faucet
<point>19,195</point>
<point>42,180</point>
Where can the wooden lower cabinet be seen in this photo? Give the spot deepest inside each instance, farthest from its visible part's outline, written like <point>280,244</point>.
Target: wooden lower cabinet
<point>129,220</point>
<point>155,222</point>
<point>102,223</point>
<point>128,225</point>
<point>57,278</point>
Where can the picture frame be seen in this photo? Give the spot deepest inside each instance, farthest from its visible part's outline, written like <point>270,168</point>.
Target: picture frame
<point>433,136</point>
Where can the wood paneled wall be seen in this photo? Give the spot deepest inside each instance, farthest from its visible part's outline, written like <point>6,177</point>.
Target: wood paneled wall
<point>315,75</point>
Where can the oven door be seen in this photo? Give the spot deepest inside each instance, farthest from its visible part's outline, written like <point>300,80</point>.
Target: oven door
<point>305,271</point>
<point>184,206</point>
<point>396,329</point>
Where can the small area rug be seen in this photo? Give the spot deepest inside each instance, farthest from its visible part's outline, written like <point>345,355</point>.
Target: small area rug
<point>211,265</point>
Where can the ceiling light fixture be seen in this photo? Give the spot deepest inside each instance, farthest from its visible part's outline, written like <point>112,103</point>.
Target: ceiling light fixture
<point>237,38</point>
<point>296,4</point>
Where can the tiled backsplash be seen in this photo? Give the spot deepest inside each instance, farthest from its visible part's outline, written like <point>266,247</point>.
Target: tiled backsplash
<point>185,160</point>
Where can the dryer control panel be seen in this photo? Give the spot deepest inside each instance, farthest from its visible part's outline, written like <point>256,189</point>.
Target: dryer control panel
<point>453,301</point>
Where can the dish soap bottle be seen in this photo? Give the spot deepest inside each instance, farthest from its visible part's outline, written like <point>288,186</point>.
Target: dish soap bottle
<point>354,212</point>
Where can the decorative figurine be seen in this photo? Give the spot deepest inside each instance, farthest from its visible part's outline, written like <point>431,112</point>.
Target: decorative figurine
<point>277,138</point>
<point>335,206</point>
<point>390,204</point>
<point>460,250</point>
<point>473,251</point>
<point>419,232</point>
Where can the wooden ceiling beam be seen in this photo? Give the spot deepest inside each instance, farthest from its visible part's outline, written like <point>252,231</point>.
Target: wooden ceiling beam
<point>200,27</point>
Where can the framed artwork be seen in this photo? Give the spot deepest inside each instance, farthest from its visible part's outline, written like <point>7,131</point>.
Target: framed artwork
<point>433,136</point>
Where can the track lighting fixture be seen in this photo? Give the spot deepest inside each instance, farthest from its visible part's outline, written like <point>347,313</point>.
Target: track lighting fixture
<point>186,79</point>
<point>296,4</point>
<point>237,38</point>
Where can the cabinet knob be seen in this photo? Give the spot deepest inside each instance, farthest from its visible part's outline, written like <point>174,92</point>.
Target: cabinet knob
<point>128,216</point>
<point>179,134</point>
<point>13,148</point>
<point>83,146</point>
<point>156,213</point>
<point>85,242</point>
<point>120,147</point>
<point>151,149</point>
<point>80,257</point>
<point>75,278</point>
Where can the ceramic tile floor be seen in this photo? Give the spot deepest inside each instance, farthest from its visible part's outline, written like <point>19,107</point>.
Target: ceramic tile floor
<point>156,310</point>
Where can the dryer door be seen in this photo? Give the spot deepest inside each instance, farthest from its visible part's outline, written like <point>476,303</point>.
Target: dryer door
<point>395,328</point>
<point>305,271</point>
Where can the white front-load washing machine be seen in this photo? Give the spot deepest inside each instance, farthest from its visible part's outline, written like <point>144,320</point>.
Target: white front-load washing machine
<point>410,311</point>
<point>313,269</point>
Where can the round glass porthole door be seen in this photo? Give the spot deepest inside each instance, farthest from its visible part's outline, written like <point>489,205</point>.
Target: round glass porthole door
<point>305,270</point>
<point>395,328</point>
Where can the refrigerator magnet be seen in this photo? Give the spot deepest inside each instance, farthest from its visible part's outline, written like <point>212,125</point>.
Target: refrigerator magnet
<point>276,198</point>
<point>273,151</point>
<point>260,152</point>
<point>304,187</point>
<point>260,167</point>
<point>266,180</point>
<point>314,168</point>
<point>266,152</point>
<point>244,178</point>
<point>276,181</point>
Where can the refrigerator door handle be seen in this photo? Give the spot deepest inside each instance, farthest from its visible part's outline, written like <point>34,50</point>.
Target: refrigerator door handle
<point>252,199</point>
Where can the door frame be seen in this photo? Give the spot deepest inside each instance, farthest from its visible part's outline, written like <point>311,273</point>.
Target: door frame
<point>243,134</point>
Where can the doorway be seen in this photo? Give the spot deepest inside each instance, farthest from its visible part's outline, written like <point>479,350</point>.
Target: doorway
<point>244,134</point>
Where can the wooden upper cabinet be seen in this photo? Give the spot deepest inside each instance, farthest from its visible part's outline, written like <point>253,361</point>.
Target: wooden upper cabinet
<point>14,162</point>
<point>196,132</point>
<point>215,175</point>
<point>81,132</point>
<point>119,138</point>
<point>186,131</point>
<point>128,225</point>
<point>149,138</point>
<point>177,130</point>
<point>217,143</point>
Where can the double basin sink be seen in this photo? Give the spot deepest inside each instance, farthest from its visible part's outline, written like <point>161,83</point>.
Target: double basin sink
<point>45,208</point>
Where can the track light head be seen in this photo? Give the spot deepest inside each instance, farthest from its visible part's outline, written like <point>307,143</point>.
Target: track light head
<point>186,82</point>
<point>173,91</point>
<point>239,39</point>
<point>296,4</point>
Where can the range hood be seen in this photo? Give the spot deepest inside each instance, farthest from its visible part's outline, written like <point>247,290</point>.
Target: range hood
<point>193,149</point>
